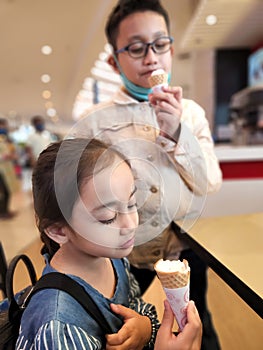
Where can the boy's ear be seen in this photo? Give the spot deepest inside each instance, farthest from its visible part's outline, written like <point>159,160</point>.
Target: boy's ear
<point>111,61</point>
<point>57,233</point>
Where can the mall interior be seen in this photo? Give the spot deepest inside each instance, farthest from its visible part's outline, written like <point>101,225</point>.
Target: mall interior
<point>54,64</point>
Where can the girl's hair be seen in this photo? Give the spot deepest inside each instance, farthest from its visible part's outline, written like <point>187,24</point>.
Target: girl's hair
<point>125,8</point>
<point>60,171</point>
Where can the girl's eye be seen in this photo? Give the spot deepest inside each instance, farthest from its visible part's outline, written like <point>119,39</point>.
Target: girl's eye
<point>109,221</point>
<point>132,205</point>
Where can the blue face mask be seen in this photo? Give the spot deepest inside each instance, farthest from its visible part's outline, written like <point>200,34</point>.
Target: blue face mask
<point>40,127</point>
<point>138,92</point>
<point>3,131</point>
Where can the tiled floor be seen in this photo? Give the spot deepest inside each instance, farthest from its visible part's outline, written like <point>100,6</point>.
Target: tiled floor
<point>17,233</point>
<point>238,327</point>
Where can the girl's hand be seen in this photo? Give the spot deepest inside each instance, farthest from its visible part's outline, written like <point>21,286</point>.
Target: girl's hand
<point>134,334</point>
<point>188,339</point>
<point>168,108</point>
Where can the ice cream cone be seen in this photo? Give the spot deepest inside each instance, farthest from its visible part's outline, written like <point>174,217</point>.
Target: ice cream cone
<point>158,78</point>
<point>175,278</point>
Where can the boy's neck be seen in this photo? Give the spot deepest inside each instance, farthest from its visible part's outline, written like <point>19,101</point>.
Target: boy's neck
<point>128,93</point>
<point>138,92</point>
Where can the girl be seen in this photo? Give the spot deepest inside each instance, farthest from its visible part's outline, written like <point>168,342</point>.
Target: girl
<point>84,200</point>
<point>85,205</point>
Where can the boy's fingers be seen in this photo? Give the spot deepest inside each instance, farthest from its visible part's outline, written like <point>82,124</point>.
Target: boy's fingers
<point>177,91</point>
<point>168,316</point>
<point>192,312</point>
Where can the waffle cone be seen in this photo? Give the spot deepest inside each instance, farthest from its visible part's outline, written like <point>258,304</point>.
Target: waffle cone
<point>174,279</point>
<point>158,79</point>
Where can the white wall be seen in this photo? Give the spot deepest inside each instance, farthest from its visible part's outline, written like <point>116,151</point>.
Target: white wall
<point>195,73</point>
<point>235,197</point>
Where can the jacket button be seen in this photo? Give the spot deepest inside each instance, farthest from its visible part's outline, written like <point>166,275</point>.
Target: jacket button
<point>154,189</point>
<point>150,157</point>
<point>154,223</point>
<point>146,128</point>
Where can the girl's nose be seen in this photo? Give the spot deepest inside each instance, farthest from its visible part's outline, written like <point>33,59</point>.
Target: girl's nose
<point>129,222</point>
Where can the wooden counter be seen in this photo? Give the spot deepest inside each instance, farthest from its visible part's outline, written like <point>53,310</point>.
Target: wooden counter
<point>233,247</point>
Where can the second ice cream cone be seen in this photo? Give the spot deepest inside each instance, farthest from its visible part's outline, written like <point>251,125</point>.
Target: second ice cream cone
<point>158,78</point>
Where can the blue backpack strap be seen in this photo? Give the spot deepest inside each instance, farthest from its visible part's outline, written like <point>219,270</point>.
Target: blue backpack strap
<point>57,280</point>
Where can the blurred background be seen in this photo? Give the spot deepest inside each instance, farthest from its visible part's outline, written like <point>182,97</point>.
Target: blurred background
<point>53,64</point>
<point>53,57</point>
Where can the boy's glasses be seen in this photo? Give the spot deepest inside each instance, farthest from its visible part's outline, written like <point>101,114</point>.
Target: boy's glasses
<point>140,49</point>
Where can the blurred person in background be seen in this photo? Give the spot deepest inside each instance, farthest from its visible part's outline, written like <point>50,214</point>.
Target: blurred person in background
<point>39,140</point>
<point>8,179</point>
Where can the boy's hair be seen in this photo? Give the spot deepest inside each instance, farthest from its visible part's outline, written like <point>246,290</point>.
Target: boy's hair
<point>125,8</point>
<point>37,119</point>
<point>60,172</point>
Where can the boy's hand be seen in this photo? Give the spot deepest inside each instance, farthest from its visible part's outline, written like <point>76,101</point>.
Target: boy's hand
<point>168,108</point>
<point>188,339</point>
<point>135,332</point>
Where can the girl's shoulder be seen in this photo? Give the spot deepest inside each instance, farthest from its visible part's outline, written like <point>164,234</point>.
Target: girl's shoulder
<point>50,304</point>
<point>51,309</point>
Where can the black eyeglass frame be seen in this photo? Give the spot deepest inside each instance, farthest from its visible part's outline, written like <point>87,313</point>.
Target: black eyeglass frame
<point>146,47</point>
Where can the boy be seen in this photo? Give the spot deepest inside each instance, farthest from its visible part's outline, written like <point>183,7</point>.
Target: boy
<point>140,37</point>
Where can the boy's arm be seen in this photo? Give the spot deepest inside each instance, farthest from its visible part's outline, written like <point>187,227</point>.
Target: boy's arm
<point>194,154</point>
<point>189,339</point>
<point>187,138</point>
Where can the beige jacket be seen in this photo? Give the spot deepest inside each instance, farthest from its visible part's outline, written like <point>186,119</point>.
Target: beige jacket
<point>173,179</point>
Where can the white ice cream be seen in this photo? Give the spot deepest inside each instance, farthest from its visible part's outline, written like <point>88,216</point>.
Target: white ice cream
<point>171,266</point>
<point>158,71</point>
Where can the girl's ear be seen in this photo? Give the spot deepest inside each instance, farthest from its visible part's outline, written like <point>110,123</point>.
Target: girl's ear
<point>111,61</point>
<point>57,233</point>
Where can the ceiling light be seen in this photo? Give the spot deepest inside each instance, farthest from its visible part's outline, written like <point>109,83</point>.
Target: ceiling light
<point>55,119</point>
<point>46,94</point>
<point>45,78</point>
<point>48,104</point>
<point>51,112</point>
<point>46,50</point>
<point>211,20</point>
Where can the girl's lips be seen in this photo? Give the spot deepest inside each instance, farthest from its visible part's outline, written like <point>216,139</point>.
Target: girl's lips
<point>128,243</point>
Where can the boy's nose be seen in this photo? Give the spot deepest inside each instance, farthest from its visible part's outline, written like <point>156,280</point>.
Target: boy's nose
<point>150,56</point>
